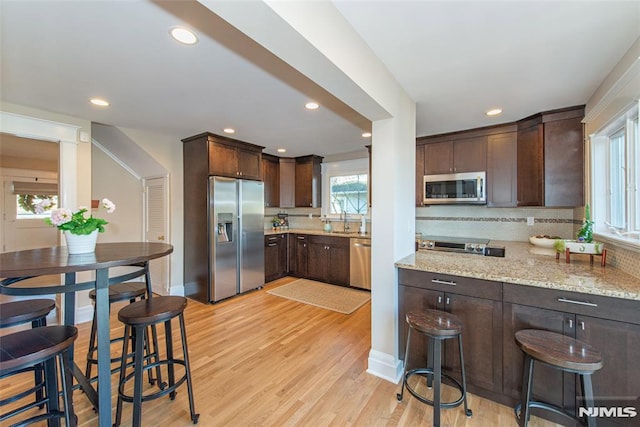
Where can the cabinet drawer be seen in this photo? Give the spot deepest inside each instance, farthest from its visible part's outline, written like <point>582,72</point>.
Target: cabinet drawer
<point>327,240</point>
<point>573,302</point>
<point>453,284</point>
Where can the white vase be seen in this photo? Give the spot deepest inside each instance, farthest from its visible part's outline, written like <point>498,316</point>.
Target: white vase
<point>81,243</point>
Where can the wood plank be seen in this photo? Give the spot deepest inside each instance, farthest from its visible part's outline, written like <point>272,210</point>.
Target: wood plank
<point>258,359</point>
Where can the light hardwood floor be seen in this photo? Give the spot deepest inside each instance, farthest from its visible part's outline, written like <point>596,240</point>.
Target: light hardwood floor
<point>261,360</point>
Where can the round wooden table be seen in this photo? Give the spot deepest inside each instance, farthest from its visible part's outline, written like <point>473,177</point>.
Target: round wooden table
<point>18,266</point>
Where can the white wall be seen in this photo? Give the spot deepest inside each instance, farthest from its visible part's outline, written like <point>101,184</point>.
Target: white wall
<point>112,181</point>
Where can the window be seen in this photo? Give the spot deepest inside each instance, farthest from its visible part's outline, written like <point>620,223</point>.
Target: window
<point>345,188</point>
<point>349,193</point>
<point>615,178</point>
<point>29,193</point>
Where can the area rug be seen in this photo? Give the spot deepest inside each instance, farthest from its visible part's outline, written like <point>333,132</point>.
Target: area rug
<point>332,297</point>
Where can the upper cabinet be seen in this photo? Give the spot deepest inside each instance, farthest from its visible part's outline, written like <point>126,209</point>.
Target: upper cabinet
<point>551,159</point>
<point>229,157</point>
<point>501,168</point>
<point>456,155</point>
<point>271,178</point>
<point>308,189</point>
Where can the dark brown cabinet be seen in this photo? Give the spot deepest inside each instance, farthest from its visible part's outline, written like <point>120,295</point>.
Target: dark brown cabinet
<point>609,324</point>
<point>419,175</point>
<point>458,155</point>
<point>271,178</point>
<point>275,257</point>
<point>298,254</point>
<point>308,185</point>
<point>477,303</point>
<point>551,159</point>
<point>330,259</point>
<point>501,170</point>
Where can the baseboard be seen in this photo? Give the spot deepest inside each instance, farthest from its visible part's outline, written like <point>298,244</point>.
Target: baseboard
<point>385,366</point>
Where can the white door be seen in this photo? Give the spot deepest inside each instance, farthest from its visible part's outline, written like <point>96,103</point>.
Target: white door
<point>156,230</point>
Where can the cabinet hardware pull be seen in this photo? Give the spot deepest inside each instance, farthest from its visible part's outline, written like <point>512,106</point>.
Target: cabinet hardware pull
<point>571,323</point>
<point>272,238</point>
<point>571,301</point>
<point>272,244</point>
<point>581,323</point>
<point>359,245</point>
<point>439,300</point>
<point>301,237</point>
<point>443,282</point>
<point>448,301</point>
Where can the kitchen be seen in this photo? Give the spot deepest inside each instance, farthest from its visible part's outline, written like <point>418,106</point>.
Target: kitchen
<point>392,223</point>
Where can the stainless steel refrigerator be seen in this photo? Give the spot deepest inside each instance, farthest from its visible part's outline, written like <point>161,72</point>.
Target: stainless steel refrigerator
<point>236,236</point>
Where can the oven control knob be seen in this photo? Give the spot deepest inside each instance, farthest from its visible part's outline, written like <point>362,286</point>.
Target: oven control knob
<point>429,244</point>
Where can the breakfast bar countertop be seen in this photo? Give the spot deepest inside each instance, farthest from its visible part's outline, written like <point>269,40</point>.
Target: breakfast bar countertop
<point>525,264</point>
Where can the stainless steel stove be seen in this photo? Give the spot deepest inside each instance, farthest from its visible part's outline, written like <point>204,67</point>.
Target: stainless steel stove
<point>454,244</point>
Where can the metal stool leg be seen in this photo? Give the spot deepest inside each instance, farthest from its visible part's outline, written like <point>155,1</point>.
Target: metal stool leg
<point>138,365</point>
<point>38,373</point>
<point>467,411</point>
<point>587,393</point>
<point>67,388</point>
<point>170,369</point>
<point>437,379</point>
<point>400,395</point>
<point>192,406</point>
<point>123,369</point>
<point>527,385</point>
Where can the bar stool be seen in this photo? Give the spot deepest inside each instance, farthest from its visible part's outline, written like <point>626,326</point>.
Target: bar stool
<point>121,292</point>
<point>35,311</point>
<point>437,326</point>
<point>24,350</point>
<point>137,317</point>
<point>560,352</point>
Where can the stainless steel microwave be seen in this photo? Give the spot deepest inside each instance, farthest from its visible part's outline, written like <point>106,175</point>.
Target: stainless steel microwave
<point>455,188</point>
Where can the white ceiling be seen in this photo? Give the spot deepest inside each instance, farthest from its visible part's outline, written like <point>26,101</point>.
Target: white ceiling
<point>455,59</point>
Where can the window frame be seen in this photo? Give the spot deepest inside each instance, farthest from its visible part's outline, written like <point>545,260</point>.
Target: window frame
<point>626,124</point>
<point>342,168</point>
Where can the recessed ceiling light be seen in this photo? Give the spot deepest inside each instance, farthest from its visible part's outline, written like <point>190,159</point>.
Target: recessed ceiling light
<point>366,134</point>
<point>311,106</point>
<point>183,35</point>
<point>99,102</point>
<point>229,130</point>
<point>281,150</point>
<point>494,112</point>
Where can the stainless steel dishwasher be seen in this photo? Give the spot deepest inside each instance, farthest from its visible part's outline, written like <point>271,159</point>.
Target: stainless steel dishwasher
<point>360,263</point>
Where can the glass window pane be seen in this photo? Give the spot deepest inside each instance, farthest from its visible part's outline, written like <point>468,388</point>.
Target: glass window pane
<point>617,180</point>
<point>26,205</point>
<point>349,194</point>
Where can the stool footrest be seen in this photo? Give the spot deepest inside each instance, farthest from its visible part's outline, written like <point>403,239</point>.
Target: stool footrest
<point>423,372</point>
<point>546,406</point>
<point>163,391</point>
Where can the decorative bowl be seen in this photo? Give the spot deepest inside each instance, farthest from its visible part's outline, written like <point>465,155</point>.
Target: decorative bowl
<point>543,241</point>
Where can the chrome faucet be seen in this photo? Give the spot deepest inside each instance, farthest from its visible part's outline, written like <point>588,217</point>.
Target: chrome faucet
<point>345,224</point>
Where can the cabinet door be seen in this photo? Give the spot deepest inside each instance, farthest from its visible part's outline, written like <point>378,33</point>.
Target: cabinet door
<point>530,166</point>
<point>271,258</point>
<point>563,163</point>
<point>481,339</point>
<point>470,154</point>
<point>550,385</point>
<point>287,183</point>
<point>338,271</point>
<point>283,256</point>
<point>501,170</point>
<point>223,160</point>
<point>438,157</point>
<point>271,177</point>
<point>420,172</point>
<point>619,344</point>
<point>249,164</point>
<point>299,266</point>
<point>410,299</point>
<point>319,267</point>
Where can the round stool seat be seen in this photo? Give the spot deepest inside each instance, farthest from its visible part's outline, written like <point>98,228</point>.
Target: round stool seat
<point>123,291</point>
<point>559,350</point>
<point>18,312</point>
<point>152,310</point>
<point>26,348</point>
<point>434,323</point>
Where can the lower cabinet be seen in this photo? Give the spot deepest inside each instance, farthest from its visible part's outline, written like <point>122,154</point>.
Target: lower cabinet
<point>329,258</point>
<point>275,257</point>
<point>477,303</point>
<point>298,254</point>
<point>610,325</point>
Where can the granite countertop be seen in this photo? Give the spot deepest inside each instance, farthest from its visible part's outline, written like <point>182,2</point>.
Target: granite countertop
<point>526,264</point>
<point>270,231</point>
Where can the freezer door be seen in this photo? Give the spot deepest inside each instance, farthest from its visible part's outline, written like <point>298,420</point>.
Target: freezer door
<point>223,240</point>
<point>252,235</point>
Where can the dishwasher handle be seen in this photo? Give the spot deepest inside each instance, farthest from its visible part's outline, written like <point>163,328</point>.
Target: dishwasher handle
<point>362,245</point>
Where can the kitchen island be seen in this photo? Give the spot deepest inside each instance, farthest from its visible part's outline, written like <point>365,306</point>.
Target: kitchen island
<point>528,288</point>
